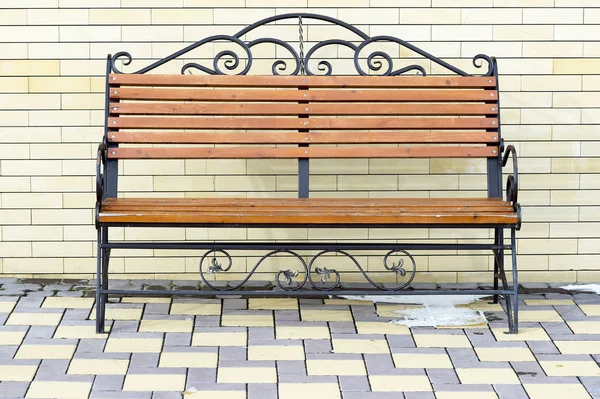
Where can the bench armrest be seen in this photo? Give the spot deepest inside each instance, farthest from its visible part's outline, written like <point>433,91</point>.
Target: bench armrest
<point>512,183</point>
<point>100,161</point>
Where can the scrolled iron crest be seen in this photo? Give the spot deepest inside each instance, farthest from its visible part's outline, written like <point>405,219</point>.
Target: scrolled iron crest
<point>229,61</point>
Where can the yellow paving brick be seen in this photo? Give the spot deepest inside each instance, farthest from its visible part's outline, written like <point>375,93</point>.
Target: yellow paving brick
<point>273,303</point>
<point>80,332</point>
<point>166,326</point>
<point>133,345</point>
<point>578,347</point>
<point>335,367</point>
<point>197,309</point>
<point>570,368</point>
<point>548,302</point>
<point>501,354</point>
<point>220,394</point>
<point>325,315</point>
<point>309,390</point>
<point>421,360</point>
<point>525,334</point>
<point>119,314</point>
<point>377,327</point>
<point>246,375</point>
<point>17,372</point>
<point>7,307</point>
<point>59,389</point>
<point>539,316</point>
<point>188,359</point>
<point>145,299</point>
<point>154,382</point>
<point>254,320</point>
<point>353,302</point>
<point>465,395</point>
<point>441,341</point>
<point>396,383</point>
<point>220,339</point>
<point>34,319</point>
<point>487,376</point>
<point>544,391</point>
<point>11,337</point>
<point>68,303</point>
<point>360,346</point>
<point>584,327</point>
<point>98,366</point>
<point>289,332</point>
<point>591,310</point>
<point>275,352</point>
<point>45,352</point>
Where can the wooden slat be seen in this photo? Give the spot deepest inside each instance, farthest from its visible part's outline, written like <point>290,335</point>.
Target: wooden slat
<point>312,152</point>
<point>296,81</point>
<point>271,95</point>
<point>291,217</point>
<point>347,137</point>
<point>147,122</point>
<point>315,202</point>
<point>173,108</point>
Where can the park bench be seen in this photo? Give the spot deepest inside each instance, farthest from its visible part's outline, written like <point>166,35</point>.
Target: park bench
<point>306,117</point>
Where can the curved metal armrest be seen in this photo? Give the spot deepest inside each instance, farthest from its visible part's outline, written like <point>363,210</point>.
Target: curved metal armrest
<point>512,184</point>
<point>100,161</point>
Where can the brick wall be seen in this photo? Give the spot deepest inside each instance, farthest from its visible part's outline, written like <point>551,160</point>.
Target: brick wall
<point>52,61</point>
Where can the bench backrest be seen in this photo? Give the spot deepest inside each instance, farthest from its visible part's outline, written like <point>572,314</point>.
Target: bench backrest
<point>303,117</point>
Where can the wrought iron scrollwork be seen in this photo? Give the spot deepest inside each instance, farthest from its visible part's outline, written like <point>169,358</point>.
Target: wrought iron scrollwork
<point>100,161</point>
<point>512,182</point>
<point>326,278</point>
<point>378,62</point>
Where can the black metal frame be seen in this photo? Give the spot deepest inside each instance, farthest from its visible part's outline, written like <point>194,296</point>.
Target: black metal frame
<point>288,281</point>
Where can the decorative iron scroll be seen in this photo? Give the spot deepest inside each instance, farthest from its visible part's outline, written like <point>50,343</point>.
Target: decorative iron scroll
<point>326,279</point>
<point>378,62</point>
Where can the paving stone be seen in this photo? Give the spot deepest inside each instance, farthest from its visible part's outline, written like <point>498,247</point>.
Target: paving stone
<point>13,389</point>
<point>197,376</point>
<point>166,395</point>
<point>292,367</point>
<point>341,327</point>
<point>144,360</point>
<point>260,333</point>
<point>354,383</point>
<point>559,328</point>
<point>308,301</point>
<point>75,314</point>
<point>235,304</point>
<point>480,335</point>
<point>108,382</point>
<point>227,353</point>
<point>40,294</point>
<point>510,391</point>
<point>378,395</point>
<point>463,357</point>
<point>317,346</point>
<point>592,384</point>
<point>22,287</point>
<point>120,395</point>
<point>262,391</point>
<point>11,293</point>
<point>400,341</point>
<point>38,332</point>
<point>8,351</point>
<point>73,294</point>
<point>125,326</point>
<point>542,347</point>
<point>286,315</point>
<point>442,376</point>
<point>178,339</point>
<point>51,366</point>
<point>156,309</point>
<point>91,345</point>
<point>207,321</point>
<point>530,369</point>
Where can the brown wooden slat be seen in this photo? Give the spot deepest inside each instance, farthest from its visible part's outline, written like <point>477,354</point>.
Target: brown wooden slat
<point>313,152</point>
<point>147,122</point>
<point>316,202</point>
<point>296,218</point>
<point>271,95</point>
<point>173,108</point>
<point>296,81</point>
<point>297,138</point>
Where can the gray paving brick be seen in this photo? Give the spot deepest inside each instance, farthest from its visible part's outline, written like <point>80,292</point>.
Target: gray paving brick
<point>75,314</point>
<point>342,327</point>
<point>120,395</point>
<point>377,395</point>
<point>592,384</point>
<point>11,292</point>
<point>530,369</point>
<point>13,389</point>
<point>197,376</point>
<point>510,391</point>
<point>442,376</point>
<point>541,347</point>
<point>260,333</point>
<point>120,326</point>
<point>227,353</point>
<point>37,332</point>
<point>292,367</point>
<point>144,360</point>
<point>557,328</point>
<point>108,382</point>
<point>286,315</point>
<point>178,339</point>
<point>235,304</point>
<point>73,294</point>
<point>39,294</point>
<point>207,321</point>
<point>156,370</point>
<point>63,377</point>
<point>401,341</point>
<point>262,391</point>
<point>478,335</point>
<point>308,301</point>
<point>156,309</point>
<point>287,378</point>
<point>50,366</point>
<point>354,383</point>
<point>463,357</point>
<point>91,345</point>
<point>166,395</point>
<point>8,351</point>
<point>317,346</point>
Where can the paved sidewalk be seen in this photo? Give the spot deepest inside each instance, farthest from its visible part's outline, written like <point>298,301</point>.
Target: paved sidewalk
<point>166,348</point>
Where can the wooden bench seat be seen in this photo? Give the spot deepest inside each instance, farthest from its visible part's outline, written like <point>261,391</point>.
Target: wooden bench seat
<point>308,211</point>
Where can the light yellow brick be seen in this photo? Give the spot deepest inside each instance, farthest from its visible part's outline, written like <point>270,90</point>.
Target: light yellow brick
<point>13,17</point>
<point>576,100</point>
<point>82,101</point>
<point>152,33</point>
<point>500,49</point>
<point>61,184</point>
<point>61,216</point>
<point>33,265</point>
<point>49,51</point>
<point>525,66</point>
<point>30,33</point>
<point>368,16</point>
<point>14,151</point>
<point>430,16</point>
<point>566,262</point>
<point>461,32</point>
<point>182,16</point>
<point>574,229</point>
<point>550,116</point>
<point>576,66</point>
<point>31,233</point>
<point>59,118</point>
<point>15,184</point>
<point>574,32</point>
<point>591,49</point>
<point>60,151</point>
<point>553,213</point>
<point>399,166</point>
<point>90,33</point>
<point>119,17</point>
<point>13,85</point>
<point>591,181</point>
<point>590,82</point>
<point>62,249</point>
<point>526,100</point>
<point>575,165</point>
<point>154,265</point>
<point>15,249</point>
<point>59,84</point>
<point>573,197</point>
<point>31,200</point>
<point>189,183</point>
<point>14,216</point>
<point>553,16</point>
<point>152,3</point>
<point>30,101</point>
<point>590,116</point>
<point>574,132</point>
<point>484,16</point>
<point>249,183</point>
<point>58,16</point>
<point>548,246</point>
<point>371,182</point>
<point>30,167</point>
<point>29,67</point>
<point>224,167</point>
<point>552,83</point>
<point>523,32</point>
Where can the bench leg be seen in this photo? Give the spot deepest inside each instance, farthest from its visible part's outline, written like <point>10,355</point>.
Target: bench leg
<point>99,304</point>
<point>498,258</point>
<point>513,250</point>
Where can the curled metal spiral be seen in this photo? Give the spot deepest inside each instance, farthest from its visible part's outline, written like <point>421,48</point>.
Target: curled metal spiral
<point>378,61</point>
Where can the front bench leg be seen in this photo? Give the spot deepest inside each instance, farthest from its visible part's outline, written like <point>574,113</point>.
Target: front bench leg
<point>102,256</point>
<point>512,192</point>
